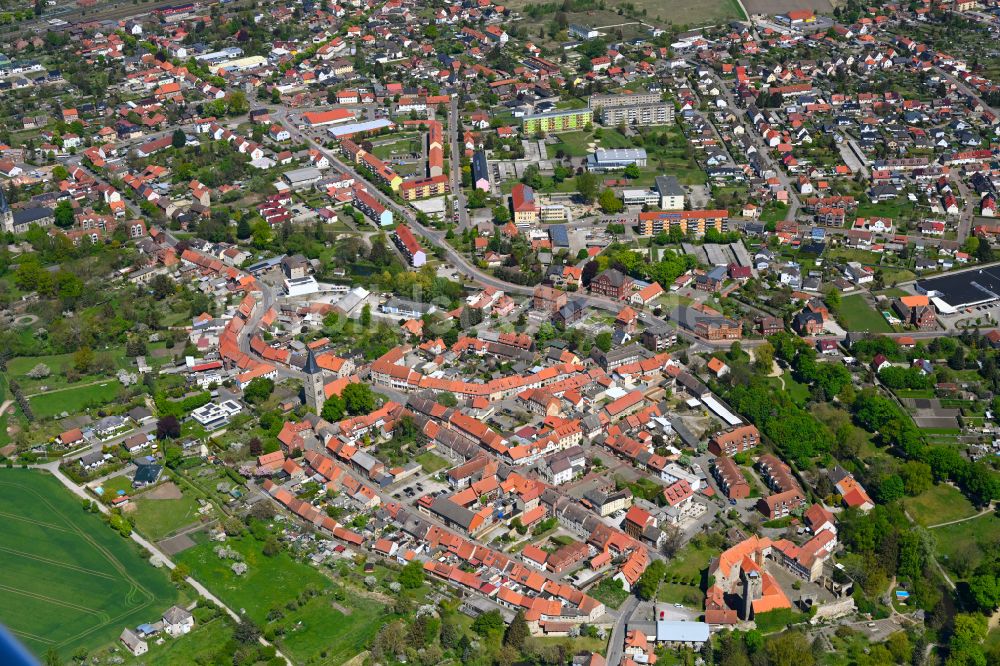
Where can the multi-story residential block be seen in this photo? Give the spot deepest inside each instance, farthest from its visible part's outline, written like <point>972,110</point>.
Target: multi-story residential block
<point>735,440</point>
<point>557,121</point>
<point>408,245</point>
<point>730,479</point>
<point>424,187</point>
<point>695,222</point>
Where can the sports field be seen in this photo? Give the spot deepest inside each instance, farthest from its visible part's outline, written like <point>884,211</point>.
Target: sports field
<point>66,579</point>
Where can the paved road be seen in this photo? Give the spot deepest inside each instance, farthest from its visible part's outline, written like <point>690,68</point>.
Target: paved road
<point>763,150</point>
<point>53,468</point>
<point>616,643</point>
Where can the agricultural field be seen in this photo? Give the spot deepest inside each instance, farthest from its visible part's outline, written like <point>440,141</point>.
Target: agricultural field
<point>855,314</point>
<point>68,580</point>
<point>773,7</point>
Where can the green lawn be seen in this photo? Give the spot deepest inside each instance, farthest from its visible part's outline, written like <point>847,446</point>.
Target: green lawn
<point>318,627</point>
<point>114,484</point>
<point>71,400</point>
<point>311,627</point>
<point>573,144</point>
<point>855,314</point>
<point>156,518</point>
<point>900,207</point>
<point>941,504</point>
<point>797,391</point>
<point>961,546</point>
<point>577,645</point>
<point>199,646</point>
<point>432,462</point>
<point>68,580</point>
<point>269,581</point>
<point>610,592</point>
<point>18,368</point>
<point>691,561</point>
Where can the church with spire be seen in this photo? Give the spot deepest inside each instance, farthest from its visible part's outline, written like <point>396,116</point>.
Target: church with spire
<point>315,385</point>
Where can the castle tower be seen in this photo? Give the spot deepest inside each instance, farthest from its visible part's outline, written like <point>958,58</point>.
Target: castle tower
<point>315,387</point>
<point>753,588</point>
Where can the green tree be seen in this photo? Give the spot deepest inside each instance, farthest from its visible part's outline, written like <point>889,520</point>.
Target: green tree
<point>985,590</point>
<point>447,399</point>
<point>83,360</point>
<point>789,649</point>
<point>358,399</point>
<point>258,390</point>
<point>610,203</point>
<point>603,341</point>
<point>488,623</point>
<point>333,409</point>
<point>501,214</point>
<point>247,632</point>
<point>517,632</point>
<point>243,230</point>
<point>632,171</point>
<point>180,573</point>
<point>586,186</point>
<point>412,575</point>
<point>63,214</point>
<point>366,316</point>
<point>271,546</point>
<point>178,139</point>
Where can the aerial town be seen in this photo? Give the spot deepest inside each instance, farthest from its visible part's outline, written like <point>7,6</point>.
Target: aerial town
<point>382,332</point>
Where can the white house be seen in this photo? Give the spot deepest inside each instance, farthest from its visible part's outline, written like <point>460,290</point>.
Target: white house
<point>177,621</point>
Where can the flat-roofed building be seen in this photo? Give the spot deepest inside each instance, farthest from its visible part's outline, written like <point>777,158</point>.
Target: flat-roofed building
<point>616,158</point>
<point>671,193</point>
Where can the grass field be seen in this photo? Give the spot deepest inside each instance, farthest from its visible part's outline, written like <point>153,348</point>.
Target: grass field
<point>941,504</point>
<point>156,518</point>
<point>69,581</point>
<point>855,314</point>
<point>682,584</point>
<point>199,646</point>
<point>18,368</point>
<point>610,592</point>
<point>318,627</point>
<point>76,399</point>
<point>271,583</point>
<point>432,462</point>
<point>680,12</point>
<point>961,546</point>
<point>798,391</point>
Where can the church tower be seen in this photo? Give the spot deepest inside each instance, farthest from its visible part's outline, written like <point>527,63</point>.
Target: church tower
<point>315,387</point>
<point>6,214</point>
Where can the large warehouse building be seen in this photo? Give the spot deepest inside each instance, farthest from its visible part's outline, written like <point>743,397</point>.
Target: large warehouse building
<point>955,291</point>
